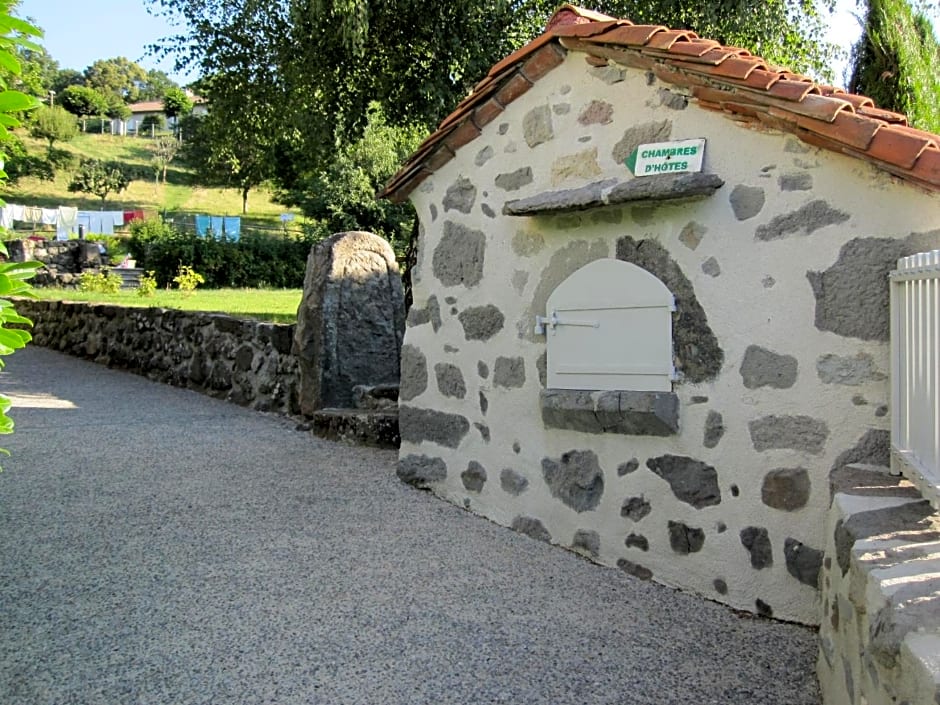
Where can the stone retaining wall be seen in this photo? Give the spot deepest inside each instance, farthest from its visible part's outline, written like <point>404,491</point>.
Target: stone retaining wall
<point>880,633</point>
<point>245,362</point>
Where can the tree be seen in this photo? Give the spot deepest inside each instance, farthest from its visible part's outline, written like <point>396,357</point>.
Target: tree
<point>38,72</point>
<point>53,124</point>
<point>176,104</point>
<point>83,101</point>
<point>14,276</point>
<point>164,149</point>
<point>156,85</point>
<point>118,111</point>
<point>118,77</point>
<point>897,62</point>
<point>66,77</point>
<point>99,178</point>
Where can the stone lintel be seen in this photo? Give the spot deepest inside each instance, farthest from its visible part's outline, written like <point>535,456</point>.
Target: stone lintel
<point>611,192</point>
<point>627,413</point>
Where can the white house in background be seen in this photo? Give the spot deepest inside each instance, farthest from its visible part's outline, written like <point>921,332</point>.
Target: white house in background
<point>141,111</point>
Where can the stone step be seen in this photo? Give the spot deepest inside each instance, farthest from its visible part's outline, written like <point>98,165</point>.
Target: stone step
<point>368,427</point>
<point>375,396</point>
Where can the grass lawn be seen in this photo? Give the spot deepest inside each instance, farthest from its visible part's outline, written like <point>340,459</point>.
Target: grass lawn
<point>275,305</point>
<point>179,193</point>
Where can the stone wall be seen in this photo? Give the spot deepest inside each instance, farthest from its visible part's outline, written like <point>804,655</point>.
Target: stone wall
<point>64,260</point>
<point>242,361</point>
<point>779,336</point>
<point>880,632</point>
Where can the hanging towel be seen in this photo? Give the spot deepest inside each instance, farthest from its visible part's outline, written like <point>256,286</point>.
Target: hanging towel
<point>114,217</point>
<point>68,217</point>
<point>6,217</point>
<point>32,214</point>
<point>233,228</point>
<point>131,216</point>
<point>18,211</point>
<point>50,216</point>
<point>216,225</point>
<point>202,225</point>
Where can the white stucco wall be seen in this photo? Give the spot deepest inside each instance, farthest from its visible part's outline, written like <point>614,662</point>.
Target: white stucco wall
<point>754,293</point>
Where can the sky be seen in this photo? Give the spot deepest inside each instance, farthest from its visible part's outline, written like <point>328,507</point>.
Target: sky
<point>79,32</point>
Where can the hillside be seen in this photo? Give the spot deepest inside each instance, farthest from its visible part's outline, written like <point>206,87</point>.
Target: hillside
<point>178,194</point>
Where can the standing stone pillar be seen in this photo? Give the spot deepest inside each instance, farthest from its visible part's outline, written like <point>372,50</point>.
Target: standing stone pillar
<point>351,320</point>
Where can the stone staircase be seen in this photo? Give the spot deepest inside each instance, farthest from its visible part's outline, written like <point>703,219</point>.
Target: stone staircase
<point>372,422</point>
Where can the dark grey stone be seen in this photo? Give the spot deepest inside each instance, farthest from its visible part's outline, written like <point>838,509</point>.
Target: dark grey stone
<point>746,201</point>
<point>450,380</point>
<point>764,609</point>
<point>721,587</point>
<point>645,133</point>
<point>458,257</point>
<point>628,413</point>
<point>514,180</point>
<point>526,243</point>
<point>561,201</point>
<point>851,370</point>
<point>805,221</point>
<point>481,322</point>
<point>509,372</point>
<point>765,368</point>
<point>487,210</point>
<point>768,282</point>
<point>698,400</point>
<point>881,410</point>
<point>484,404</point>
<point>757,543</point>
<point>803,562</point>
<point>786,488</point>
<point>685,539</point>
<point>541,366</point>
<point>376,396</point>
<point>796,181</point>
<point>915,520</point>
<point>794,432</point>
<point>628,467</point>
<point>375,428</point>
<point>537,126</point>
<point>637,541</point>
<point>483,369</point>
<point>513,482</point>
<point>483,156</point>
<point>474,477</point>
<point>711,267</point>
<point>691,481</point>
<point>450,300</point>
<point>419,425</point>
<point>665,187</point>
<point>635,508</point>
<point>460,196</point>
<point>414,373</point>
<point>351,320</point>
<point>588,542</point>
<point>852,295</point>
<point>244,358</point>
<point>532,528</point>
<point>421,470</point>
<point>433,210</point>
<point>695,348</point>
<point>575,478</point>
<point>671,100</point>
<point>429,314</point>
<point>484,431</point>
<point>516,447</point>
<point>714,429</point>
<point>634,569</point>
<point>561,108</point>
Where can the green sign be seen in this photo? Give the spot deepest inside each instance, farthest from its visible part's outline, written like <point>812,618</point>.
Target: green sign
<point>667,158</point>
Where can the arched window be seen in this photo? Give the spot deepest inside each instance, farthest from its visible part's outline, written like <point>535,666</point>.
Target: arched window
<point>608,326</point>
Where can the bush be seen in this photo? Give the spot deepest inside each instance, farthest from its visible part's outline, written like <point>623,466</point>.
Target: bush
<point>151,123</point>
<point>109,283</point>
<point>147,285</point>
<point>254,261</point>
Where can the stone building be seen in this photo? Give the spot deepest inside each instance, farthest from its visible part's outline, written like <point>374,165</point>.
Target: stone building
<point>660,372</point>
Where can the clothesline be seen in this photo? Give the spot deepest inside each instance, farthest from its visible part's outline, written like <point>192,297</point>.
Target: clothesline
<point>66,219</point>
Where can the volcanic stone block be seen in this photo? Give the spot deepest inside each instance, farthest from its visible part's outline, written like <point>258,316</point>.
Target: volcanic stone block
<point>793,432</point>
<point>513,482</point>
<point>803,562</point>
<point>691,481</point>
<point>351,320</point>
<point>509,372</point>
<point>532,528</point>
<point>421,470</point>
<point>588,542</point>
<point>459,256</point>
<point>414,373</point>
<point>474,477</point>
<point>786,489</point>
<point>460,196</point>
<point>757,542</point>
<point>628,413</point>
<point>685,539</point>
<point>481,322</point>
<point>576,479</point>
<point>765,368</point>
<point>419,425</point>
<point>450,380</point>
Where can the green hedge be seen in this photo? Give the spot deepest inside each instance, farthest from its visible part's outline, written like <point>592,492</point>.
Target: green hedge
<point>255,261</point>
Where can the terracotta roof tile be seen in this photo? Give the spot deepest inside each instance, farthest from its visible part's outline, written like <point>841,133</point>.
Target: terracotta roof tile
<point>729,79</point>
